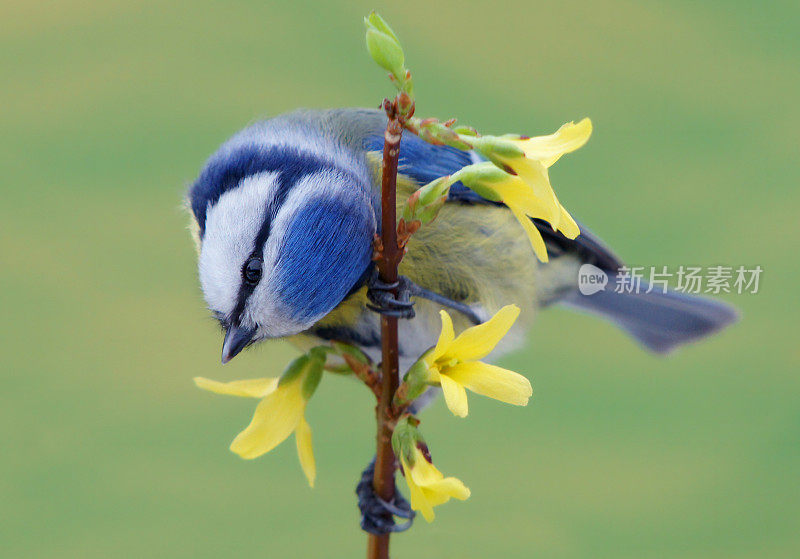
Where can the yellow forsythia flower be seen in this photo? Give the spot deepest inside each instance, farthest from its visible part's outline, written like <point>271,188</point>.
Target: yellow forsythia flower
<point>427,486</point>
<point>528,191</point>
<point>455,364</point>
<point>516,194</point>
<point>280,412</point>
<point>540,153</point>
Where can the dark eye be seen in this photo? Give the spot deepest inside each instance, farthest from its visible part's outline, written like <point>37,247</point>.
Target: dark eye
<point>252,271</point>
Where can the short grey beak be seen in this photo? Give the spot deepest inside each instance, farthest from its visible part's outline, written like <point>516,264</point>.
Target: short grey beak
<point>236,338</point>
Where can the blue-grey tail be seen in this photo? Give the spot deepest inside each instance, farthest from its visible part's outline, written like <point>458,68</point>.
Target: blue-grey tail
<point>660,321</point>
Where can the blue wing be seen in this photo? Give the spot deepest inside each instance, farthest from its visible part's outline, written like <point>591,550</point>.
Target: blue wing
<point>422,161</point>
<point>425,162</point>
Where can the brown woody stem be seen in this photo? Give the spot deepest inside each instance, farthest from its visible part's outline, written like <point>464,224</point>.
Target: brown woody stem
<point>365,374</point>
<point>388,261</point>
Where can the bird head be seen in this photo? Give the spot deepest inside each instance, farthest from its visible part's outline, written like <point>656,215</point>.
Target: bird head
<point>285,235</point>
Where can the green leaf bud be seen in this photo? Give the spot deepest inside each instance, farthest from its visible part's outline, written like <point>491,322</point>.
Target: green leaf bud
<point>346,349</point>
<point>313,378</point>
<point>375,21</point>
<point>406,437</point>
<point>491,146</point>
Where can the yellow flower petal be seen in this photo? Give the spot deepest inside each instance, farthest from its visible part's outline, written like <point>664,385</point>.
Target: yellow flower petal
<point>567,225</point>
<point>518,195</point>
<point>275,418</point>
<point>535,175</point>
<point>478,341</point>
<point>445,339</point>
<point>428,487</point>
<point>443,490</point>
<point>417,497</point>
<point>305,451</point>
<point>494,382</point>
<point>535,238</point>
<point>568,138</point>
<point>454,396</point>
<point>424,473</point>
<point>436,488</point>
<point>249,388</point>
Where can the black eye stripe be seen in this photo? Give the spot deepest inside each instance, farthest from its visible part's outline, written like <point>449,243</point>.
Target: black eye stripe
<point>251,275</point>
<point>292,165</point>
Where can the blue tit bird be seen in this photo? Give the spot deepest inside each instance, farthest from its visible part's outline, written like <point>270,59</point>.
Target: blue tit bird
<point>284,216</point>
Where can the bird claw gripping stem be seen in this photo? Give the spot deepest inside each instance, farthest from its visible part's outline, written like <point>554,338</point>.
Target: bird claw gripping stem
<point>384,301</point>
<point>377,515</point>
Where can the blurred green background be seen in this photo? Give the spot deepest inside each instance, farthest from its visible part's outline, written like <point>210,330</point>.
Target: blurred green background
<point>107,111</point>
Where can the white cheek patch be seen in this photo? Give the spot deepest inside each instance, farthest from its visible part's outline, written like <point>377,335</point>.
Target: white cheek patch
<point>232,224</point>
